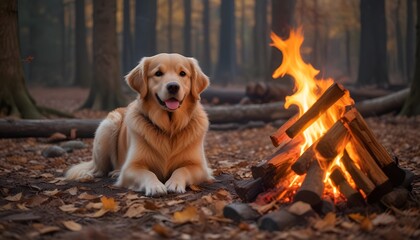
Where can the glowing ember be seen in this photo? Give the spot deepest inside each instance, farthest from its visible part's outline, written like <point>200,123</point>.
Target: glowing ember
<point>307,90</point>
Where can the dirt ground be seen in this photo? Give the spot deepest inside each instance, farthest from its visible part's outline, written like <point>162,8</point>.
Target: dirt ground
<point>36,203</point>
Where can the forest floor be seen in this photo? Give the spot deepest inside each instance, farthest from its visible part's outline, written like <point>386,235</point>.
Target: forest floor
<point>36,203</point>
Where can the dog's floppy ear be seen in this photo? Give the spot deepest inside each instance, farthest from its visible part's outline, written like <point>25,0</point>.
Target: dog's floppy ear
<point>199,80</point>
<point>137,77</point>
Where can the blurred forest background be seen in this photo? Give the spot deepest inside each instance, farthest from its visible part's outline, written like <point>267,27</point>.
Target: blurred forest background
<point>229,38</point>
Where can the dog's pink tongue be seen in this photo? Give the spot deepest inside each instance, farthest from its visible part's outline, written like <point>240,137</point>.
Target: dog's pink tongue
<point>172,104</point>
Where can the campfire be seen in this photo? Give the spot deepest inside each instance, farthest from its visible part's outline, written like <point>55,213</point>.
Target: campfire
<point>326,151</point>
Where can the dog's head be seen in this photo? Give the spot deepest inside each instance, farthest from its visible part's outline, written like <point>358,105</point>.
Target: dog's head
<point>169,79</point>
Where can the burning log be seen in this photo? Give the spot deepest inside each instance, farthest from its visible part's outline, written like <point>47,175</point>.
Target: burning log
<point>312,186</point>
<point>302,164</point>
<point>330,96</point>
<point>274,167</point>
<point>280,136</point>
<point>360,131</point>
<point>332,143</point>
<point>354,198</point>
<point>248,189</point>
<point>373,171</point>
<point>361,180</point>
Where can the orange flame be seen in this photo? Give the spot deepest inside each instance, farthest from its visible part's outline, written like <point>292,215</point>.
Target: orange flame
<point>307,89</point>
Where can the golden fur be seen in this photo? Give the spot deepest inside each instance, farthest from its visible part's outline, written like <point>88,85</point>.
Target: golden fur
<point>153,145</point>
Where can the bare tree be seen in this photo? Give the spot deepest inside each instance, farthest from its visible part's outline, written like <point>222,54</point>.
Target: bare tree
<point>105,92</point>
<point>14,97</point>
<point>411,105</point>
<point>206,63</point>
<point>373,55</point>
<point>261,33</point>
<point>187,28</point>
<point>226,67</point>
<point>145,28</point>
<point>83,74</point>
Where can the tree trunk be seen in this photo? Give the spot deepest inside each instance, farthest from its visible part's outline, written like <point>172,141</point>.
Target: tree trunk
<point>170,16</point>
<point>226,67</point>
<point>261,40</point>
<point>145,29</point>
<point>242,59</point>
<point>373,53</point>
<point>348,47</point>
<point>206,63</point>
<point>411,105</point>
<point>187,28</point>
<point>105,92</point>
<point>14,97</point>
<point>399,38</point>
<point>410,41</point>
<point>127,53</point>
<point>83,75</point>
<point>282,12</point>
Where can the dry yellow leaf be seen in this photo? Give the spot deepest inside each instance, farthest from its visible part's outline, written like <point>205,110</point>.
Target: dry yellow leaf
<point>108,204</point>
<point>92,205</point>
<point>14,198</point>
<point>326,223</point>
<point>72,226</point>
<point>357,217</point>
<point>22,206</point>
<point>189,214</point>
<point>195,188</point>
<point>97,214</point>
<point>162,230</point>
<point>366,225</point>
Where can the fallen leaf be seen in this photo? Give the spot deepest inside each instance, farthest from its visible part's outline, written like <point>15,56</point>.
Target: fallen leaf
<point>68,208</point>
<point>6,207</point>
<point>223,194</point>
<point>14,198</point>
<point>131,196</point>
<point>97,214</point>
<point>207,198</point>
<point>357,217</point>
<point>72,226</point>
<point>22,206</point>
<point>162,230</point>
<point>174,202</point>
<point>299,208</point>
<point>135,210</point>
<point>51,193</point>
<point>189,214</point>
<point>87,196</point>
<point>195,188</point>
<point>36,200</point>
<point>92,205</point>
<point>366,225</point>
<point>150,205</point>
<point>109,204</point>
<point>218,208</point>
<point>56,137</point>
<point>383,219</point>
<point>328,222</point>
<point>47,175</point>
<point>42,229</point>
<point>72,191</point>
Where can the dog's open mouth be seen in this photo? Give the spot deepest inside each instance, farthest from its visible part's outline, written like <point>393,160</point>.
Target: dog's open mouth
<point>170,103</point>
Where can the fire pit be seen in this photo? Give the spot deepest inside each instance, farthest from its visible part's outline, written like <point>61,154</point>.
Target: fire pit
<point>326,154</point>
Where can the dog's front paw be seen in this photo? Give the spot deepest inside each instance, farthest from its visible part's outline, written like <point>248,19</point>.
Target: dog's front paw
<point>154,188</point>
<point>176,184</point>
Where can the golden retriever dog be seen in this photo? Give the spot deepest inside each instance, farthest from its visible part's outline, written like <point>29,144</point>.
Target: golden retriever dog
<point>155,144</point>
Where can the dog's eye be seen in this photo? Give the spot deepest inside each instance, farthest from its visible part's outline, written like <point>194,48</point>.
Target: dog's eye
<point>182,74</point>
<point>158,73</point>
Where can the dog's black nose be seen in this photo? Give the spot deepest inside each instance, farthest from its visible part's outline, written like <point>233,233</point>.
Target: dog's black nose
<point>172,87</point>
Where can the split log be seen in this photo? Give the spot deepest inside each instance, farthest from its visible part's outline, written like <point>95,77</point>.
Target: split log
<point>287,217</point>
<point>248,189</point>
<point>301,165</point>
<point>373,171</point>
<point>327,99</point>
<point>312,187</point>
<point>361,131</point>
<point>359,178</point>
<point>276,166</point>
<point>280,137</point>
<point>240,212</point>
<point>354,198</point>
<point>332,143</point>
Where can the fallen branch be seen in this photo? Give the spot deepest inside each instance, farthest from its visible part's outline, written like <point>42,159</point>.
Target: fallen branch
<point>381,105</point>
